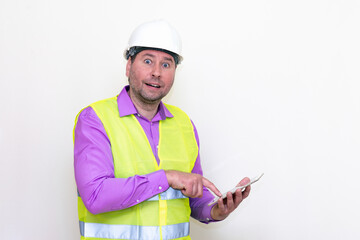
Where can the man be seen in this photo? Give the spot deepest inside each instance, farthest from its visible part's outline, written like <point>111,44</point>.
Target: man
<point>137,164</point>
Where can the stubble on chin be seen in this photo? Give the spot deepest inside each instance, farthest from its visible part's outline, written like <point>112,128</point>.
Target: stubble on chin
<point>141,97</point>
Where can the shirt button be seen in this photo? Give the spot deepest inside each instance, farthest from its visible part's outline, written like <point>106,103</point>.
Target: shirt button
<point>207,219</point>
<point>160,187</point>
<point>157,146</point>
<point>138,200</point>
<point>138,115</point>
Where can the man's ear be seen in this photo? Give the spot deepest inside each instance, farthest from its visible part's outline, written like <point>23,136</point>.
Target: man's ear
<point>128,66</point>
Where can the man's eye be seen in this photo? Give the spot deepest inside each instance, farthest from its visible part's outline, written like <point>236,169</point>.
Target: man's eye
<point>166,65</point>
<point>147,61</point>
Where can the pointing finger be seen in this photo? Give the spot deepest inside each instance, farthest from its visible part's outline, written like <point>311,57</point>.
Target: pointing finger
<point>211,186</point>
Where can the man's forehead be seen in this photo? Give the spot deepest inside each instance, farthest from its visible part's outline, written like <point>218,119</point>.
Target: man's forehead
<point>156,53</point>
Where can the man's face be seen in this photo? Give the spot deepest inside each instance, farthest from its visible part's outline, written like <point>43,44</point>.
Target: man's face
<point>151,76</point>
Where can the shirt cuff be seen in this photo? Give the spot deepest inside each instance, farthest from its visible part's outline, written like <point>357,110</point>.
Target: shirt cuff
<point>206,213</point>
<point>159,180</point>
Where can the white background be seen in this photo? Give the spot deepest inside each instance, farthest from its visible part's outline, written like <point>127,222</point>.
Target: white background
<point>272,86</point>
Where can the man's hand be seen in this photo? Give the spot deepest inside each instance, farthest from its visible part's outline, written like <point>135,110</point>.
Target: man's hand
<point>227,205</point>
<point>190,184</point>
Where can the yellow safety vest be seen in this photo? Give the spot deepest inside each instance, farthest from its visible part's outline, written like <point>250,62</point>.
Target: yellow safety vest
<point>164,216</point>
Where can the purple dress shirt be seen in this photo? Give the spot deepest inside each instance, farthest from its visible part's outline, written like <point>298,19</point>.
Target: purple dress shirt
<point>94,168</point>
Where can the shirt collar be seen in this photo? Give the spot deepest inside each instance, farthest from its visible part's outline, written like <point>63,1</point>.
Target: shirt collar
<point>126,107</point>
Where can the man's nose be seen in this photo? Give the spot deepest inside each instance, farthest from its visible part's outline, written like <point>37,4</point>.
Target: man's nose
<point>156,71</point>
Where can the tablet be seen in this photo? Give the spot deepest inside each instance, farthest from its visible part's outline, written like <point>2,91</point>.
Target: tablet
<point>253,180</point>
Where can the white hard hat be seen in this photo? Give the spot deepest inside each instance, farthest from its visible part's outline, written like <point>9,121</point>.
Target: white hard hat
<point>157,34</point>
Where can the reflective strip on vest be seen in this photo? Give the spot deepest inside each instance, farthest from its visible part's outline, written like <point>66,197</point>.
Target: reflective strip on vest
<point>99,230</point>
<point>168,194</point>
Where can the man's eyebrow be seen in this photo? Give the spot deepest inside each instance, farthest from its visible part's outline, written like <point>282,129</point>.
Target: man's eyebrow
<point>166,58</point>
<point>169,59</point>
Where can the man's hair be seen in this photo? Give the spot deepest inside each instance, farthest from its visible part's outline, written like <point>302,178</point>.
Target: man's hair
<point>133,51</point>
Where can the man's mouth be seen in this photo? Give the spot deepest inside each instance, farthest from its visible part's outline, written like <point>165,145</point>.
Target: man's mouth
<point>152,85</point>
